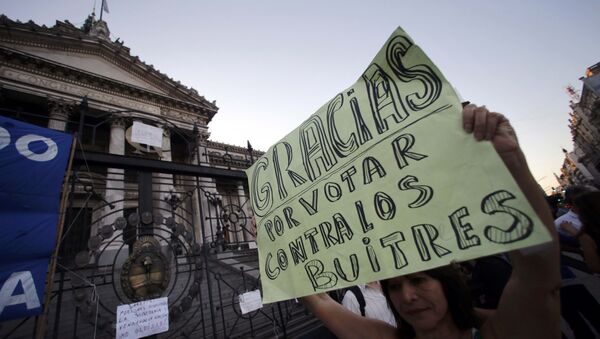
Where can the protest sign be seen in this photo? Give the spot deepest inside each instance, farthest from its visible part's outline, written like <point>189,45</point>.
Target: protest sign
<point>250,301</point>
<point>143,318</point>
<point>146,134</point>
<point>33,162</point>
<point>382,181</point>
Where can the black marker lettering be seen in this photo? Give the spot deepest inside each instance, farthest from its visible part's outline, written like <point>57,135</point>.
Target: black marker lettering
<point>278,223</point>
<point>312,207</point>
<point>521,227</point>
<point>463,231</point>
<point>316,152</point>
<point>370,167</point>
<point>271,274</point>
<point>353,266</point>
<point>371,255</point>
<point>333,191</point>
<point>384,206</point>
<point>366,226</point>
<point>431,85</point>
<point>341,148</point>
<point>364,134</point>
<point>425,236</point>
<point>310,236</point>
<point>291,222</point>
<point>347,177</point>
<point>297,250</point>
<point>382,91</point>
<point>401,145</point>
<point>282,259</point>
<point>393,241</point>
<point>269,228</point>
<point>425,192</point>
<point>261,202</point>
<point>319,279</point>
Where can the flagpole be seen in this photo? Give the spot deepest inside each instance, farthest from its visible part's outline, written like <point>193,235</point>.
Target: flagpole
<point>101,10</point>
<point>41,321</point>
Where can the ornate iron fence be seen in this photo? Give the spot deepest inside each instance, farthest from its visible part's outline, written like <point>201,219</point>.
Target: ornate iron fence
<point>141,228</point>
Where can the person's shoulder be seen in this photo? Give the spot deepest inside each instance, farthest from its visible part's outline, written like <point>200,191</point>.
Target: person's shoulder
<point>349,297</point>
<point>569,216</point>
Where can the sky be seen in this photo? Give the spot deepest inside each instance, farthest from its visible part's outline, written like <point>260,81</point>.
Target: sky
<point>269,64</point>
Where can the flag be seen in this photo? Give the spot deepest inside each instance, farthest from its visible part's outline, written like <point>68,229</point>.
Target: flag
<point>33,162</point>
<point>105,6</point>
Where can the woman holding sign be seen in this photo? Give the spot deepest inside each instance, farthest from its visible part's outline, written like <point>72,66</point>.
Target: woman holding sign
<point>436,303</point>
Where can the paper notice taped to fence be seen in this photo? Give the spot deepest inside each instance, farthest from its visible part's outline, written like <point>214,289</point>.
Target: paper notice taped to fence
<point>250,301</point>
<point>143,318</point>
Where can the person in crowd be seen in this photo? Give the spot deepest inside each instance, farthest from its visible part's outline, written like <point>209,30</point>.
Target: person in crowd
<point>587,206</point>
<point>437,303</point>
<point>368,300</point>
<point>579,308</point>
<point>487,277</point>
<point>572,216</point>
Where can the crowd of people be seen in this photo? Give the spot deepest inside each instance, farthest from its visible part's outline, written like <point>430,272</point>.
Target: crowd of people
<point>521,294</point>
<point>578,226</point>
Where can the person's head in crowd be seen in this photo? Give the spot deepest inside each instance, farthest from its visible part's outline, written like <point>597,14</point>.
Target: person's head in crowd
<point>574,191</point>
<point>422,301</point>
<point>588,207</point>
<point>553,203</point>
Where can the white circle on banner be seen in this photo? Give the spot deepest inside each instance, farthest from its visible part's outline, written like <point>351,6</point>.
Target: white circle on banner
<point>22,146</point>
<point>4,137</point>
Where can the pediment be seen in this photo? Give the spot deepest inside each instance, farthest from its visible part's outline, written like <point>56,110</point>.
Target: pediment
<point>95,54</point>
<point>90,63</point>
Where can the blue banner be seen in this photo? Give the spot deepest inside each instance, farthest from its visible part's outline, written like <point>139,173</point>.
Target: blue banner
<point>32,168</point>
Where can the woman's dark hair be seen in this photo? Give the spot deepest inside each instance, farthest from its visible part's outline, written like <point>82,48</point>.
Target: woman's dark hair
<point>588,208</point>
<point>457,294</point>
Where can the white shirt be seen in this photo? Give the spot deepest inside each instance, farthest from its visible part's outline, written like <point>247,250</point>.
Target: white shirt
<point>376,306</point>
<point>570,217</point>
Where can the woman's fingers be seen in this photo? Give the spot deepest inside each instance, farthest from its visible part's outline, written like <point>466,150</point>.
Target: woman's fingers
<point>493,119</point>
<point>481,122</point>
<point>480,125</point>
<point>468,115</point>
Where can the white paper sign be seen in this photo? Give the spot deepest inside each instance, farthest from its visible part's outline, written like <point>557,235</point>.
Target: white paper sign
<point>252,245</point>
<point>146,134</point>
<point>250,301</point>
<point>143,318</point>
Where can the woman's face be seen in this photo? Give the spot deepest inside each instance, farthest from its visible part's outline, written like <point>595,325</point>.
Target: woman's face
<point>419,299</point>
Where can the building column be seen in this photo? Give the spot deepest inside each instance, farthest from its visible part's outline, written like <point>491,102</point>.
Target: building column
<point>59,113</point>
<point>196,202</point>
<point>209,197</point>
<point>244,203</point>
<point>115,179</point>
<point>164,188</point>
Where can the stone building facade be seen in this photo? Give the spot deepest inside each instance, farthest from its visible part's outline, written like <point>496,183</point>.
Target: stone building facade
<point>582,165</point>
<point>53,76</point>
<point>165,217</point>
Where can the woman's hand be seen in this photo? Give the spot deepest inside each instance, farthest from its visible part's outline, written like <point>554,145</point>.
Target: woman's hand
<point>492,126</point>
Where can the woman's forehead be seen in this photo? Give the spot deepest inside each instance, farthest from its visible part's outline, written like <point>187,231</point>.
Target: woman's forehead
<point>408,276</point>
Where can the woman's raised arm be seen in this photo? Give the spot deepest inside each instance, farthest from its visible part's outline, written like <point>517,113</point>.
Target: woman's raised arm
<point>342,322</point>
<point>530,304</point>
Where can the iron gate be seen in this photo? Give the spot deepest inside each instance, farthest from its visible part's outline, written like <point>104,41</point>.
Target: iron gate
<point>170,229</point>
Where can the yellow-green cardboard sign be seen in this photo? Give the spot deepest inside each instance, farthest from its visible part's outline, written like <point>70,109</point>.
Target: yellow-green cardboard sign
<point>382,181</point>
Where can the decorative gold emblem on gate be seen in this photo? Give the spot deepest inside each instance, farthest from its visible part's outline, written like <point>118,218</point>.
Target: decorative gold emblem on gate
<point>145,274</point>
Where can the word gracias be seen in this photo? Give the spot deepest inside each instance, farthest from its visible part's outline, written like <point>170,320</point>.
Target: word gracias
<point>349,125</point>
